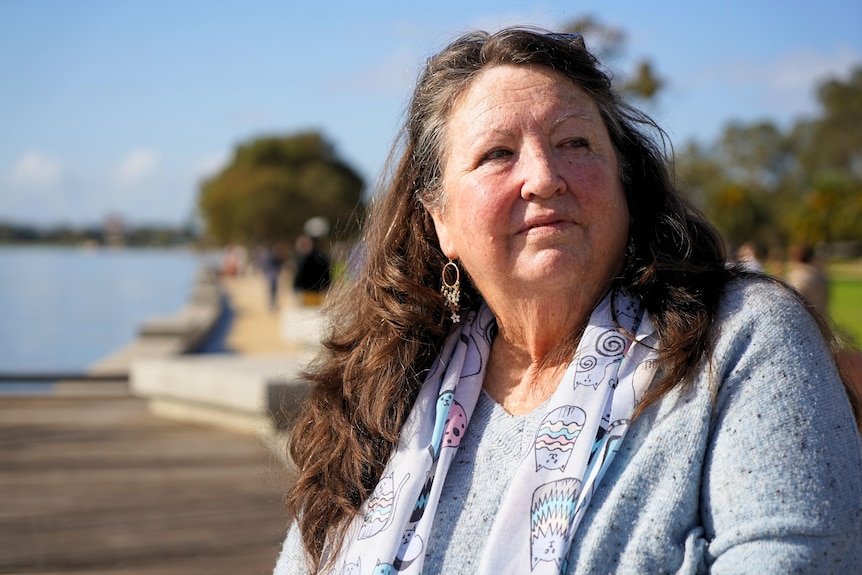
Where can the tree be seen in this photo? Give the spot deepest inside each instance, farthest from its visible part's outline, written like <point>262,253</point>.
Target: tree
<point>274,185</point>
<point>834,140</point>
<point>829,153</point>
<point>699,175</point>
<point>738,206</point>
<point>831,210</point>
<point>804,185</point>
<point>607,43</point>
<point>756,155</point>
<point>644,84</point>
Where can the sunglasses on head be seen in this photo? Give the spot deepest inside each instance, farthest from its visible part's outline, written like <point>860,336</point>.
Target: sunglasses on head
<point>577,39</point>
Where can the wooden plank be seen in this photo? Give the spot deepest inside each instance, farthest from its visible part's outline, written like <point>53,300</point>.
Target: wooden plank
<point>98,485</point>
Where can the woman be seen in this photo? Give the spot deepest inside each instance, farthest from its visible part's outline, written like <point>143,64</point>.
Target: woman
<point>592,390</point>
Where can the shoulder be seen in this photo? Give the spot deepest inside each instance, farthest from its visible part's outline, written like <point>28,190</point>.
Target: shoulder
<point>755,299</point>
<point>764,322</point>
<point>772,372</point>
<point>771,363</point>
<point>780,415</point>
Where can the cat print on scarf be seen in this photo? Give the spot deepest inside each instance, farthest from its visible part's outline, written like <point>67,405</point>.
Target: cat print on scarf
<point>576,440</point>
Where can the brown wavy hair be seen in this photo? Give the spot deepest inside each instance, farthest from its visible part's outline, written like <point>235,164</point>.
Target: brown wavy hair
<point>387,320</point>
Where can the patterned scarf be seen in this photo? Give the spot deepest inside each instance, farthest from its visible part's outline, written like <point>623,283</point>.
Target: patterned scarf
<point>586,419</point>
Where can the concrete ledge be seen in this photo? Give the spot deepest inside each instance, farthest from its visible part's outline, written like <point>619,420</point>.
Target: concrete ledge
<point>248,393</point>
<point>188,321</point>
<point>121,360</point>
<point>161,336</point>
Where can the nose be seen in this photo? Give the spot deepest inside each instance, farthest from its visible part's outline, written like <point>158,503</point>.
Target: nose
<point>541,176</point>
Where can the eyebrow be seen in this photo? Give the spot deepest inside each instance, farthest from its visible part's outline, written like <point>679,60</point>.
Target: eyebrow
<point>585,117</point>
<point>482,133</point>
<point>491,131</point>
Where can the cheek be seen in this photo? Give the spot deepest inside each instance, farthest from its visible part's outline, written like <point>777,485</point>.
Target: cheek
<point>604,201</point>
<point>613,203</point>
<point>482,212</point>
<point>599,187</point>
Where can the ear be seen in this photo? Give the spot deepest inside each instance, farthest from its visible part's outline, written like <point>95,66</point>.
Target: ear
<point>443,233</point>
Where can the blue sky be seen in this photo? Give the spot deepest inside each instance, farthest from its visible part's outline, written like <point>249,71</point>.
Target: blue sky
<point>122,106</point>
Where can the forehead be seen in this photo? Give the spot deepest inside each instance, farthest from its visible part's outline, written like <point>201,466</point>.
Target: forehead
<point>498,91</point>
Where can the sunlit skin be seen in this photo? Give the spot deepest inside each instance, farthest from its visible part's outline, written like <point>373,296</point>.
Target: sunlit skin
<point>534,211</point>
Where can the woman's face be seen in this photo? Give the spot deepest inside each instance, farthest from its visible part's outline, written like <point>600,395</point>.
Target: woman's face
<point>533,202</point>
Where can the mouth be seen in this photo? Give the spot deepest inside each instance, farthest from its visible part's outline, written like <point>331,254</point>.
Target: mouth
<point>546,226</point>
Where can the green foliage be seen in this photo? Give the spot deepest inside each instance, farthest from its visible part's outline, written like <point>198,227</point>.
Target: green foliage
<point>644,84</point>
<point>775,188</point>
<point>834,141</point>
<point>274,185</point>
<point>757,155</point>
<point>604,41</point>
<point>607,43</point>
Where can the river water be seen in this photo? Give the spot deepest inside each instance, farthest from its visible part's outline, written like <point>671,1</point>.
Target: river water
<point>62,309</point>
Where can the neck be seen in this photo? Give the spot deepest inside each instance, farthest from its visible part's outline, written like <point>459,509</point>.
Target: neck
<point>532,350</point>
<point>539,326</point>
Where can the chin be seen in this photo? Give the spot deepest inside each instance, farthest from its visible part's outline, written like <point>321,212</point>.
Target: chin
<point>561,259</point>
<point>553,267</point>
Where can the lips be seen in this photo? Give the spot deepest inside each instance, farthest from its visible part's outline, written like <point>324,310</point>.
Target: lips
<point>547,223</point>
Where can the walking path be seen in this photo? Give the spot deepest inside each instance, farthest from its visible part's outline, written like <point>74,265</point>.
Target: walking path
<point>92,482</point>
<point>255,328</point>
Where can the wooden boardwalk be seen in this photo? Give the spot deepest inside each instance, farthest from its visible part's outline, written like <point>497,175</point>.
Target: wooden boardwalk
<point>97,485</point>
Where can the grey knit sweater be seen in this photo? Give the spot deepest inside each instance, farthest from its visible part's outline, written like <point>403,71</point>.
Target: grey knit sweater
<point>763,476</point>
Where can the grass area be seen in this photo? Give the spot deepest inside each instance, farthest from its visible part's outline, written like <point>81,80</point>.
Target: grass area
<point>845,297</point>
<point>845,304</point>
<point>846,269</point>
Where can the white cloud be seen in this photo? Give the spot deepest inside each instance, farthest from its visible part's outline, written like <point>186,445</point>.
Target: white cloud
<point>36,170</point>
<point>136,166</point>
<point>798,70</point>
<point>808,69</point>
<point>780,89</point>
<point>791,82</point>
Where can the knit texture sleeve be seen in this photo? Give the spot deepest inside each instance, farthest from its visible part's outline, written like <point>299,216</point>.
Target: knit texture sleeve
<point>782,485</point>
<point>291,560</point>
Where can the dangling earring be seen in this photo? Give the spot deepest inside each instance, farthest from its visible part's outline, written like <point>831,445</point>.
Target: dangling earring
<point>452,291</point>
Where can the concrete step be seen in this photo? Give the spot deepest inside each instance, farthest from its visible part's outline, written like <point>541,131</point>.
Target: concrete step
<point>253,394</point>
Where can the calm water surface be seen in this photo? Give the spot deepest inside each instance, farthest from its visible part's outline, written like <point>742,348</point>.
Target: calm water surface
<point>64,308</point>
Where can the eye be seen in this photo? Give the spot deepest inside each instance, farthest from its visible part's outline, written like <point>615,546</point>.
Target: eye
<point>576,143</point>
<point>497,154</point>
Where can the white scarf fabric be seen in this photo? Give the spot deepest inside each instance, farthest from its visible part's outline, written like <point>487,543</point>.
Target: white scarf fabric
<point>586,419</point>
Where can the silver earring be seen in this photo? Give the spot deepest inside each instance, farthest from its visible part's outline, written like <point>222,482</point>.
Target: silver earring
<point>452,291</point>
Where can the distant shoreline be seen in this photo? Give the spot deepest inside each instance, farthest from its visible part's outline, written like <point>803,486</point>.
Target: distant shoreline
<point>113,232</point>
